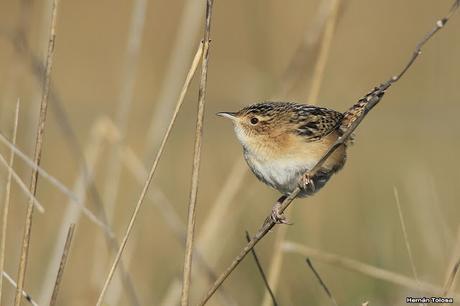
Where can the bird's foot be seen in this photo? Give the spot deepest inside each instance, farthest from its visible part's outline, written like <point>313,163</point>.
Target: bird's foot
<point>307,182</point>
<point>277,216</point>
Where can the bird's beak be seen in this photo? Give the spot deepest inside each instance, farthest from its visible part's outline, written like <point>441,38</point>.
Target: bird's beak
<point>229,115</point>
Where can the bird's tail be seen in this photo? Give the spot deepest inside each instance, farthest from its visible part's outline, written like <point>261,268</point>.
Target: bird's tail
<point>357,110</point>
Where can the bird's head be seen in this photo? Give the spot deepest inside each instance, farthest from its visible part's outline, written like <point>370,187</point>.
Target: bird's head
<point>260,123</point>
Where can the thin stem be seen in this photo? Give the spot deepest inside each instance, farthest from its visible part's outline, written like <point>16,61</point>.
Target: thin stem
<point>21,184</point>
<point>323,54</point>
<point>113,176</point>
<point>37,156</point>
<point>27,296</point>
<point>360,267</point>
<point>276,264</point>
<point>406,236</point>
<point>56,183</point>
<point>262,273</point>
<point>189,25</point>
<point>450,281</point>
<point>62,264</point>
<point>6,204</point>
<point>150,176</point>
<point>371,99</point>
<point>453,267</point>
<point>185,294</point>
<point>321,282</point>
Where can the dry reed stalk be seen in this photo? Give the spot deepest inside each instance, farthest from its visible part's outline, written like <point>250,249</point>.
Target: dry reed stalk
<point>371,99</point>
<point>218,220</point>
<point>6,203</point>
<point>104,129</point>
<point>451,279</point>
<point>150,176</point>
<point>37,155</point>
<point>356,266</point>
<point>452,267</point>
<point>22,48</point>
<point>172,220</point>
<point>262,273</point>
<point>308,52</point>
<point>22,185</point>
<point>65,255</point>
<point>166,209</point>
<point>321,282</point>
<point>55,182</point>
<point>27,296</point>
<point>188,29</point>
<point>324,50</point>
<point>327,18</point>
<point>275,265</point>
<point>185,295</point>
<point>29,162</point>
<point>126,94</point>
<point>406,237</point>
<point>72,214</point>
<point>121,277</point>
<point>157,197</point>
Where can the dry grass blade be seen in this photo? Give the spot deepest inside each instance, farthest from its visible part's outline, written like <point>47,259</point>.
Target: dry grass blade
<point>37,155</point>
<point>27,296</point>
<point>171,218</point>
<point>60,273</point>
<point>113,176</point>
<point>73,212</point>
<point>6,203</point>
<point>311,51</point>
<point>406,237</point>
<point>22,185</point>
<point>453,267</point>
<point>188,28</point>
<point>124,104</point>
<point>214,226</point>
<point>150,176</point>
<point>371,99</point>
<point>22,48</point>
<point>366,269</point>
<point>196,160</point>
<point>262,273</point>
<point>56,183</point>
<point>450,281</point>
<point>276,264</point>
<point>326,42</point>
<point>321,282</point>
<point>327,18</point>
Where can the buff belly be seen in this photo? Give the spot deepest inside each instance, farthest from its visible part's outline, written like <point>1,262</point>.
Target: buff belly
<point>284,175</point>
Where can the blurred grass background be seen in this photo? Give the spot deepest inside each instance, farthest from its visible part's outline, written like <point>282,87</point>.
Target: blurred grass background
<point>410,141</point>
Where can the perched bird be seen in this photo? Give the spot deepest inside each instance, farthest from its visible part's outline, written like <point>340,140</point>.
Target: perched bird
<point>283,140</point>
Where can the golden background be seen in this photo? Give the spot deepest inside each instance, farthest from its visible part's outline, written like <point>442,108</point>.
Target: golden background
<point>410,142</point>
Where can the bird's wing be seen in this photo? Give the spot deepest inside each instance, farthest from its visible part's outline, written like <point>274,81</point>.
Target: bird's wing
<point>318,122</point>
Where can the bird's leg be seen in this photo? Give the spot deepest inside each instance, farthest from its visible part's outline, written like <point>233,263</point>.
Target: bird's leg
<point>307,181</point>
<point>277,216</point>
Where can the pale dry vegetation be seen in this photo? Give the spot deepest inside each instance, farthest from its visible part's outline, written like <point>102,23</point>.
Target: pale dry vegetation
<point>125,81</point>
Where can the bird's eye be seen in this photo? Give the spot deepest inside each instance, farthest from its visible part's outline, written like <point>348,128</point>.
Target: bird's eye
<point>254,120</point>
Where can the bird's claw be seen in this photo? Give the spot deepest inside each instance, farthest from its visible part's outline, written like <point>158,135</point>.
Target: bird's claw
<point>277,216</point>
<point>307,182</point>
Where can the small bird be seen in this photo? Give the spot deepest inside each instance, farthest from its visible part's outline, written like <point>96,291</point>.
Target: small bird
<point>283,140</point>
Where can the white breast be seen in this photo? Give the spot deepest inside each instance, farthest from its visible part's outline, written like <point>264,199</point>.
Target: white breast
<point>282,174</point>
